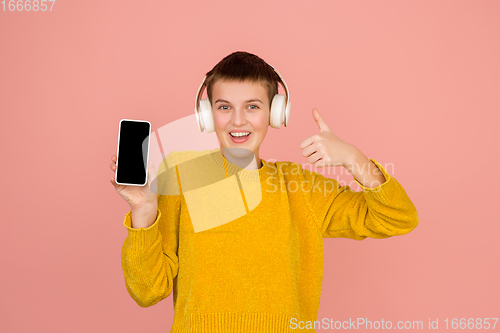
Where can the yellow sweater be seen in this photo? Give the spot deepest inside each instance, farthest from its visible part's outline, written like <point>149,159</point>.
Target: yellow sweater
<point>242,250</point>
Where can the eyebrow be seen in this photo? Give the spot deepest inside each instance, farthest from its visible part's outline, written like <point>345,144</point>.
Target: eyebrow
<point>250,100</point>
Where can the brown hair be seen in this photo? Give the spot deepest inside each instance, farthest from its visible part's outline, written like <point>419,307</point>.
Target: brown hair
<point>241,66</point>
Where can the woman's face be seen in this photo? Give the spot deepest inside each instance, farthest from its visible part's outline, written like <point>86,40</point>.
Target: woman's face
<point>240,107</point>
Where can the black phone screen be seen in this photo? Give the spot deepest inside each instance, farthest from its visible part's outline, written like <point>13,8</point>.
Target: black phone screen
<point>133,152</point>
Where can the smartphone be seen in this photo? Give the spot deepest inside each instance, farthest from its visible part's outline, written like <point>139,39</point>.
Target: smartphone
<point>133,152</point>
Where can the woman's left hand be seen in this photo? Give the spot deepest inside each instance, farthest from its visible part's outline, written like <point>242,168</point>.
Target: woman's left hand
<point>325,148</point>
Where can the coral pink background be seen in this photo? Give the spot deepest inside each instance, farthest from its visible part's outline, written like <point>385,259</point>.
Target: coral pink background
<point>412,84</point>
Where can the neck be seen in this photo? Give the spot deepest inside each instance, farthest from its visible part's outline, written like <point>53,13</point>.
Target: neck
<point>240,157</point>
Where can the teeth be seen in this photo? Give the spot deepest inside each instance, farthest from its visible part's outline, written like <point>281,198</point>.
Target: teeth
<point>239,134</point>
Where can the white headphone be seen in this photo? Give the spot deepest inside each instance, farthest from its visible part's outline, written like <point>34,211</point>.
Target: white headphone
<point>280,108</point>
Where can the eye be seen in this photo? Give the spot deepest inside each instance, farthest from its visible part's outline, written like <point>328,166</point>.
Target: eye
<point>223,106</point>
<point>256,107</point>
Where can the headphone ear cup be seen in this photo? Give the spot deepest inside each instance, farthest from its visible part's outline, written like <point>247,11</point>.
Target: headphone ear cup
<point>198,120</point>
<point>277,111</point>
<point>287,118</point>
<point>206,117</point>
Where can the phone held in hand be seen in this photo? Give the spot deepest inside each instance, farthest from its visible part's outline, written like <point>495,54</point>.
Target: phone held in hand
<point>133,152</point>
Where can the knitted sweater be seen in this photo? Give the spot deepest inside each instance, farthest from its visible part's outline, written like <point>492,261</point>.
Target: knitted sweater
<point>241,250</point>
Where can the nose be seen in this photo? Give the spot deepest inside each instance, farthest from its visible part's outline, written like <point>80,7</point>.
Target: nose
<point>238,117</point>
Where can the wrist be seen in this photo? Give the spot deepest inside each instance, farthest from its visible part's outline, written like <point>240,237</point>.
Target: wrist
<point>146,209</point>
<point>144,217</point>
<point>354,157</point>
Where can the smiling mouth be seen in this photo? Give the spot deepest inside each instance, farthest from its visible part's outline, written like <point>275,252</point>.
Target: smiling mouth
<point>240,138</point>
<point>239,134</point>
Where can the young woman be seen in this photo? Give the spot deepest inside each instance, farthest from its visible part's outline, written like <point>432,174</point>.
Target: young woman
<point>237,239</point>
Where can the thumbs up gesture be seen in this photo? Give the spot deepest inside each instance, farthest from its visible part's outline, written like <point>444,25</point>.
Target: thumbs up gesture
<point>325,148</point>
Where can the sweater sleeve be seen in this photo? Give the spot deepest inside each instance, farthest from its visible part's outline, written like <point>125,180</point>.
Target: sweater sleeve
<point>379,212</point>
<point>149,255</point>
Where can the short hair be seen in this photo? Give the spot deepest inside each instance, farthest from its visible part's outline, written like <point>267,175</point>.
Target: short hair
<point>241,66</point>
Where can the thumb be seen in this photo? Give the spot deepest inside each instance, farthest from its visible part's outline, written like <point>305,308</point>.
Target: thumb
<point>323,127</point>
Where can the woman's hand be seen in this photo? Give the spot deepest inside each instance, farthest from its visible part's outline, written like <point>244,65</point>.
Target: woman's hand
<point>325,148</point>
<point>140,198</point>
